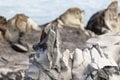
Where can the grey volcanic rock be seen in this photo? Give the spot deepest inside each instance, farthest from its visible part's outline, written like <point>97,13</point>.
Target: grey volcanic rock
<point>73,38</point>
<point>105,20</point>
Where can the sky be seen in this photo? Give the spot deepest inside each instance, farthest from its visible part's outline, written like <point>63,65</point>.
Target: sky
<point>43,11</point>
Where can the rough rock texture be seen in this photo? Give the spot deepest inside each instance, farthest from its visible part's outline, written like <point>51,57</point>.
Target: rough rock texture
<point>71,36</point>
<point>110,43</point>
<point>108,39</point>
<point>52,61</point>
<point>21,30</point>
<point>71,27</point>
<point>16,49</point>
<point>73,18</point>
<point>105,20</point>
<point>106,73</point>
<point>13,62</point>
<point>49,63</point>
<point>88,62</point>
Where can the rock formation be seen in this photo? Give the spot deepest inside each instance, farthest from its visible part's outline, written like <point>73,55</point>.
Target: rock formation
<point>16,45</point>
<point>50,63</point>
<point>109,43</point>
<point>19,30</point>
<point>21,38</point>
<point>64,51</point>
<point>3,25</point>
<point>105,20</point>
<point>73,17</point>
<point>71,27</point>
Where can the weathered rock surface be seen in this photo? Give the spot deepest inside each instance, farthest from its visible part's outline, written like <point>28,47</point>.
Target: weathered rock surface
<point>22,40</point>
<point>14,62</point>
<point>3,25</point>
<point>51,60</point>
<point>109,43</point>
<point>50,63</point>
<point>108,39</point>
<point>19,29</point>
<point>73,17</point>
<point>71,27</point>
<point>91,64</point>
<point>105,20</point>
<point>11,62</point>
<point>73,37</point>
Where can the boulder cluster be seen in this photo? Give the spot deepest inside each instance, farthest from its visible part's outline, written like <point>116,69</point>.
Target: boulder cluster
<point>63,49</point>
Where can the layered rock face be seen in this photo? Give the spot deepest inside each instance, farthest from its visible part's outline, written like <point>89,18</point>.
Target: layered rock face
<point>105,20</point>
